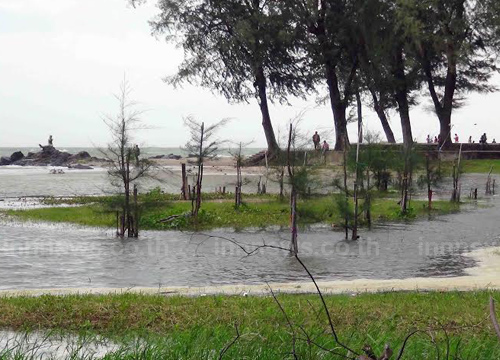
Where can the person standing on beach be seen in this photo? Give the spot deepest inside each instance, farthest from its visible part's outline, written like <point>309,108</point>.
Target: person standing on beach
<point>325,147</point>
<point>136,153</point>
<point>456,138</point>
<point>316,140</point>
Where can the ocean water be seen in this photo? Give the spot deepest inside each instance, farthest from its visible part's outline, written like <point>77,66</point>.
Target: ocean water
<point>146,151</point>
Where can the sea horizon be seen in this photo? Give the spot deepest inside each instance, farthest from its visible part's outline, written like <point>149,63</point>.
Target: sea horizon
<point>147,151</point>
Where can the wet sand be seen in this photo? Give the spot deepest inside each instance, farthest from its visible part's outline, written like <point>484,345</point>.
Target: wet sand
<point>486,275</point>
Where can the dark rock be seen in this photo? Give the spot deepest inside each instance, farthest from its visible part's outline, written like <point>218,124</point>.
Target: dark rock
<point>18,155</point>
<point>174,157</point>
<point>59,158</point>
<point>80,167</point>
<point>49,155</point>
<point>5,161</point>
<point>82,155</point>
<point>169,157</point>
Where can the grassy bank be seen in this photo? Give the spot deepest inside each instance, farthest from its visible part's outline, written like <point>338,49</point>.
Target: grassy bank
<point>256,212</point>
<point>198,328</point>
<point>481,166</point>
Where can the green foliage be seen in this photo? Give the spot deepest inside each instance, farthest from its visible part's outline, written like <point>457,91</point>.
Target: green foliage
<point>229,46</point>
<point>256,212</point>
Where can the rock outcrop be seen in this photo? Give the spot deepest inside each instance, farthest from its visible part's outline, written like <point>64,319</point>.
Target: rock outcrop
<point>169,157</point>
<point>18,155</point>
<point>4,161</point>
<point>50,156</point>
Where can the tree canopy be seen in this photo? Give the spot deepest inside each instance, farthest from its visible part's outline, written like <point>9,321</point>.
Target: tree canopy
<point>388,49</point>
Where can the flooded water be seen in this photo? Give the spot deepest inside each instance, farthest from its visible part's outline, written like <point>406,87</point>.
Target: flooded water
<point>16,182</point>
<point>60,256</point>
<point>41,346</point>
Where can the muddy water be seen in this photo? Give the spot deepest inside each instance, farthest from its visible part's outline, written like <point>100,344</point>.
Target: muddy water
<point>60,256</point>
<point>43,346</point>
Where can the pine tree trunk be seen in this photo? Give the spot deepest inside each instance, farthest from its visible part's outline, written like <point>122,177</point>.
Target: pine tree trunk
<point>260,83</point>
<point>338,108</point>
<point>401,95</point>
<point>383,118</point>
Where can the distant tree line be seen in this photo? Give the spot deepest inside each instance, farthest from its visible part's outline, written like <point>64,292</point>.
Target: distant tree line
<point>396,53</point>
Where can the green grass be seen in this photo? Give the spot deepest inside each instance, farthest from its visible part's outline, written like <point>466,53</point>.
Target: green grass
<point>219,214</point>
<point>198,328</point>
<point>473,166</point>
<point>481,166</point>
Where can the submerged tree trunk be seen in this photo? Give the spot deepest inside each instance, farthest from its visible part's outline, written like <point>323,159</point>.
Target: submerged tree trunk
<point>383,118</point>
<point>428,180</point>
<point>136,213</point>
<point>260,83</point>
<point>346,196</point>
<point>294,246</point>
<point>356,180</point>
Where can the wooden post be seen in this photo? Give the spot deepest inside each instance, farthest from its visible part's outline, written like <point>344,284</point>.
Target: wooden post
<point>136,213</point>
<point>184,189</point>
<point>118,223</point>
<point>122,226</point>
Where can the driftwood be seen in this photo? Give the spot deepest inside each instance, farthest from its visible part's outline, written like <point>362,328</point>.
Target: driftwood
<point>170,218</point>
<point>370,355</point>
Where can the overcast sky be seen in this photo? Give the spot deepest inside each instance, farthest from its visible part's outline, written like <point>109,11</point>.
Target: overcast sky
<point>61,61</point>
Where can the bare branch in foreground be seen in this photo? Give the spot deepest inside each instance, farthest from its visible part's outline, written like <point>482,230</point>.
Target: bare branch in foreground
<point>493,317</point>
<point>228,346</point>
<point>290,325</point>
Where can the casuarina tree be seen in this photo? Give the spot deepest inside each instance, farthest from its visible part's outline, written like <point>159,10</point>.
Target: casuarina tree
<point>203,146</point>
<point>241,49</point>
<point>456,43</point>
<point>125,167</point>
<point>328,38</point>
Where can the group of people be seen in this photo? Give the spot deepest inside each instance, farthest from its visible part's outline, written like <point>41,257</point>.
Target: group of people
<point>482,140</point>
<point>317,140</point>
<point>437,139</point>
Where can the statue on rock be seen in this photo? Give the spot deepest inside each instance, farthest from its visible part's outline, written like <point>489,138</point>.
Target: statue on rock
<point>50,147</point>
